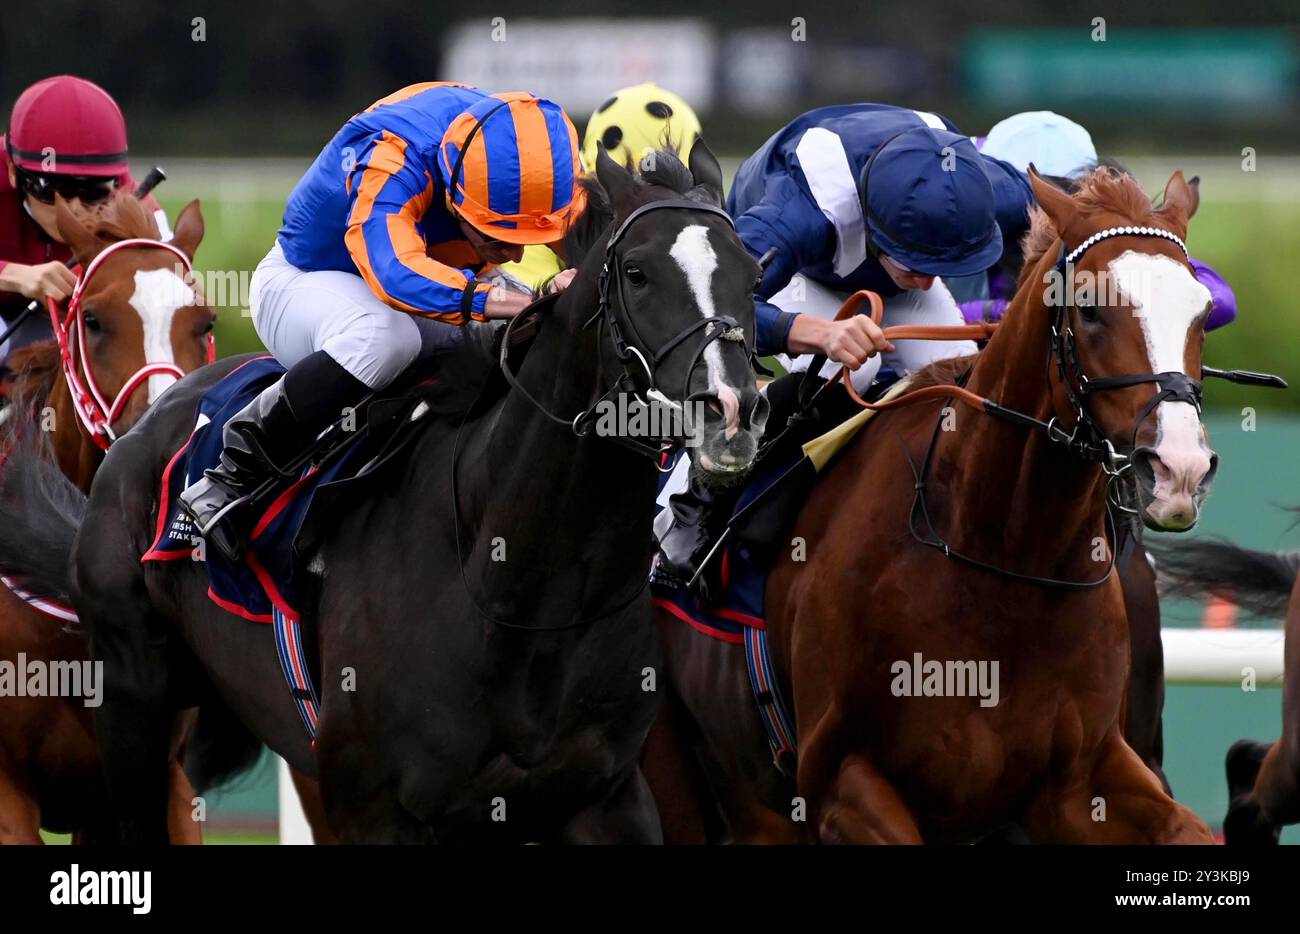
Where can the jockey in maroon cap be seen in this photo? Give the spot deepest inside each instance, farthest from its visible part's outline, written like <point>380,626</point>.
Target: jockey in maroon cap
<point>66,137</point>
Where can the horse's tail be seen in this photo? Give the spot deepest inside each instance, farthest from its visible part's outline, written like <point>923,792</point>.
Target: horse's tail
<point>220,749</point>
<point>1259,582</point>
<point>40,512</point>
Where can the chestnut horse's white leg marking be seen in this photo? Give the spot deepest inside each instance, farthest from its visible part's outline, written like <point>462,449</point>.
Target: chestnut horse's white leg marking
<point>694,254</point>
<point>158,295</point>
<point>1167,301</point>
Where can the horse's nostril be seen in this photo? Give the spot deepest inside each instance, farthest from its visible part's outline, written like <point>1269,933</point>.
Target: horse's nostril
<point>759,411</point>
<point>715,406</point>
<point>1146,463</point>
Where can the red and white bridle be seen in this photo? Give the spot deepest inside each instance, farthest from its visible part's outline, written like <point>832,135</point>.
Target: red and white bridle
<point>93,409</point>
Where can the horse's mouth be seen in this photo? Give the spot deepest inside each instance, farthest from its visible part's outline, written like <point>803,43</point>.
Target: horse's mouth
<point>725,462</point>
<point>1169,499</point>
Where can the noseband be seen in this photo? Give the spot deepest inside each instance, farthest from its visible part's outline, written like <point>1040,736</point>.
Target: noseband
<point>639,372</point>
<point>94,411</point>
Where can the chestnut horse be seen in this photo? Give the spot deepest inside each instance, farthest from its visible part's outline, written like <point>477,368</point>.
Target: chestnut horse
<point>144,324</point>
<point>979,540</point>
<point>1263,778</point>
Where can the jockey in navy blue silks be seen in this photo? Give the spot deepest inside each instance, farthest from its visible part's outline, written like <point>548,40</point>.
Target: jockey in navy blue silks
<point>850,195</point>
<point>859,196</point>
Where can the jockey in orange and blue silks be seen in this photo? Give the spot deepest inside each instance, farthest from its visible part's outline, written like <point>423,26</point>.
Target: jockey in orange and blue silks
<point>386,255</point>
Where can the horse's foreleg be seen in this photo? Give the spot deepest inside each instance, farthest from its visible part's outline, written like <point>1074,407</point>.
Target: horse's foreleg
<point>1264,780</point>
<point>626,815</point>
<point>862,806</point>
<point>20,817</point>
<point>134,721</point>
<point>182,828</point>
<point>313,808</point>
<point>681,794</point>
<point>1143,729</point>
<point>1120,801</point>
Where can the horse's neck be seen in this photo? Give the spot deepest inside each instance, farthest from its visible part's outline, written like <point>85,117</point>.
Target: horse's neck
<point>567,506</point>
<point>1044,501</point>
<point>76,456</point>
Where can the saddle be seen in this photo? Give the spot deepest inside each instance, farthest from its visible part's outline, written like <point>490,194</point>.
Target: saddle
<point>337,467</point>
<point>758,531</point>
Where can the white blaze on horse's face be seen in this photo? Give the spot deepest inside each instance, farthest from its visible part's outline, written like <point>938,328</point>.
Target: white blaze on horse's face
<point>159,293</point>
<point>694,254</point>
<point>1168,301</point>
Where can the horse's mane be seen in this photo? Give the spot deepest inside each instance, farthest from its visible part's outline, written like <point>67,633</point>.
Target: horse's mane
<point>585,231</point>
<point>35,367</point>
<point>940,373</point>
<point>660,169</point>
<point>125,218</point>
<point>1108,188</point>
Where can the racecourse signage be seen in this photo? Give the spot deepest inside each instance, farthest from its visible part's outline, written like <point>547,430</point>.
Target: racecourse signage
<point>579,61</point>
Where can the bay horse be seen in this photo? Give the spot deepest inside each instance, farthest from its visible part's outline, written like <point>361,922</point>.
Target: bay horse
<point>1263,778</point>
<point>979,539</point>
<point>137,324</point>
<point>483,597</point>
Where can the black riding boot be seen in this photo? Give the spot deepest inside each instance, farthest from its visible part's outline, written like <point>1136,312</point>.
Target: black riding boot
<point>263,438</point>
<point>700,513</point>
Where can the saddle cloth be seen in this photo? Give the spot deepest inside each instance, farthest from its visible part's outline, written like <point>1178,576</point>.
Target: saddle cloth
<point>756,535</point>
<point>268,579</point>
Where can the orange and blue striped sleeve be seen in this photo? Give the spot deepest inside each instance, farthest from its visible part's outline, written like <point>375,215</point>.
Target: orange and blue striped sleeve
<point>389,193</point>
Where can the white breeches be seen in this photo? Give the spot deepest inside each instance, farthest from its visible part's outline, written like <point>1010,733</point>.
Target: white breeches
<point>932,306</point>
<point>297,313</point>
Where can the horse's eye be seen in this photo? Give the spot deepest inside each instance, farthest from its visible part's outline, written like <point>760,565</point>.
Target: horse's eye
<point>207,328</point>
<point>634,274</point>
<point>92,323</point>
<point>1088,313</point>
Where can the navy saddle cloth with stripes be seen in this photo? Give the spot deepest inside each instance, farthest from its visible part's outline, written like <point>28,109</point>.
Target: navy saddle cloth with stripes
<point>268,579</point>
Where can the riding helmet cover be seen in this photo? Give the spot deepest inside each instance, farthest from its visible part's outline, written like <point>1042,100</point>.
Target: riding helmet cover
<point>67,125</point>
<point>637,119</point>
<point>929,204</point>
<point>510,168</point>
<point>1055,145</point>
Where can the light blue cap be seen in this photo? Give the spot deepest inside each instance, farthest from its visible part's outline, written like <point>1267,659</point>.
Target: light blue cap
<point>1056,145</point>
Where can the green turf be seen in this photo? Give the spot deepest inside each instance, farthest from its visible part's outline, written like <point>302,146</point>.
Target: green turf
<point>219,838</point>
<point>1252,245</point>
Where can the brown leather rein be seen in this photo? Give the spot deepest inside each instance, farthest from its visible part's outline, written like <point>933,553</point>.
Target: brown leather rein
<point>912,332</point>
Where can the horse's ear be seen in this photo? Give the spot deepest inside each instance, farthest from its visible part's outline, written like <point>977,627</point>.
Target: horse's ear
<point>705,169</point>
<point>1181,199</point>
<point>189,229</point>
<point>1056,204</point>
<point>79,238</point>
<point>617,182</point>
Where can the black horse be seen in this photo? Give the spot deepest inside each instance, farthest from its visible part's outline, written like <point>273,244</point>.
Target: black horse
<point>486,650</point>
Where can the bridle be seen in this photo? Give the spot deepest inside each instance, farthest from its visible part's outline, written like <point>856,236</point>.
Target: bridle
<point>93,409</point>
<point>717,327</point>
<point>639,373</point>
<point>1085,440</point>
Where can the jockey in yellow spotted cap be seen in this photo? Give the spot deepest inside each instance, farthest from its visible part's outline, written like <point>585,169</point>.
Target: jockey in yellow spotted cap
<point>630,123</point>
